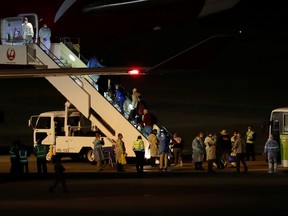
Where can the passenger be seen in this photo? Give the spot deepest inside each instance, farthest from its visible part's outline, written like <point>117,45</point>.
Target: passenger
<point>27,29</point>
<point>271,150</point>
<point>146,123</point>
<point>153,147</point>
<point>223,149</point>
<point>120,149</point>
<point>177,145</point>
<point>202,139</point>
<point>133,108</point>
<point>198,152</point>
<point>98,152</point>
<point>240,148</point>
<point>139,150</point>
<point>102,83</point>
<point>44,35</point>
<point>210,143</point>
<point>120,97</point>
<point>233,140</point>
<point>140,109</point>
<point>234,137</point>
<point>94,63</point>
<point>164,142</point>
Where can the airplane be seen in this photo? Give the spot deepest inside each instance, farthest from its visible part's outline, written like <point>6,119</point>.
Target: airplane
<point>97,24</point>
<point>100,24</point>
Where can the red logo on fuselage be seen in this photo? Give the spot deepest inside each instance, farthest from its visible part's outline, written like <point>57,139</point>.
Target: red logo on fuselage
<point>11,54</point>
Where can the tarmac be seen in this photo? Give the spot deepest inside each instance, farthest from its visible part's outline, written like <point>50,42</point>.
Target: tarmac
<point>258,166</point>
<point>179,191</point>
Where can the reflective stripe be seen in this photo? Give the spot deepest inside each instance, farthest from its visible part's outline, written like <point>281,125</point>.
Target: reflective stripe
<point>23,156</point>
<point>12,154</point>
<point>249,136</point>
<point>41,153</point>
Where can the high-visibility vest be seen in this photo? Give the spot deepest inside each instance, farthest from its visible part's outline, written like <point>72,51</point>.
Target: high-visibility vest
<point>249,135</point>
<point>23,156</point>
<point>41,151</point>
<point>138,145</point>
<point>12,153</point>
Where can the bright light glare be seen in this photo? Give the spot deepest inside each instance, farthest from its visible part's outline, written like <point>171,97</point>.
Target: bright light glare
<point>133,72</point>
<point>72,57</point>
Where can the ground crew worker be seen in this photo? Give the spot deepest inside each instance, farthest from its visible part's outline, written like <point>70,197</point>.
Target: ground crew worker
<point>23,159</point>
<point>40,151</point>
<point>139,150</point>
<point>14,159</point>
<point>250,143</point>
<point>271,150</point>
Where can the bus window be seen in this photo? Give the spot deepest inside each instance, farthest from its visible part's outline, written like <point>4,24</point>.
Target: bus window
<point>285,126</point>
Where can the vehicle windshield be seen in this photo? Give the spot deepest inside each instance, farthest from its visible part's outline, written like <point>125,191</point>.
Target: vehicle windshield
<point>44,123</point>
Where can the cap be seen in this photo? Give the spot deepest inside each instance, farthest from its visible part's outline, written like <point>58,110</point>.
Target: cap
<point>223,132</point>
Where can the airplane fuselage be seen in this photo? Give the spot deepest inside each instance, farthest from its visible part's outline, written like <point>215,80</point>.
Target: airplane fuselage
<point>98,23</point>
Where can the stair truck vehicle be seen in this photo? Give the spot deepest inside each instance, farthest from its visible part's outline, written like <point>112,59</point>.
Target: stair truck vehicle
<point>67,133</point>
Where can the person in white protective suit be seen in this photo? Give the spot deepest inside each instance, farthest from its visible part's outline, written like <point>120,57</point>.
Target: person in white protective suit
<point>44,35</point>
<point>271,150</point>
<point>28,32</point>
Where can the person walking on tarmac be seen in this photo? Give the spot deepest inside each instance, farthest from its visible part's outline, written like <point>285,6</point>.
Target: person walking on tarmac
<point>59,173</point>
<point>120,150</point>
<point>139,150</point>
<point>153,147</point>
<point>40,151</point>
<point>240,149</point>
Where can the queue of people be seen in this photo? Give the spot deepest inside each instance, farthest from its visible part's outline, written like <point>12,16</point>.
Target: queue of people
<point>213,148</point>
<point>162,147</point>
<point>133,107</point>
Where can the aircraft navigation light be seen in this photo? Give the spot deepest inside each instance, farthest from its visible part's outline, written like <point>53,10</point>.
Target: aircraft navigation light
<point>134,72</point>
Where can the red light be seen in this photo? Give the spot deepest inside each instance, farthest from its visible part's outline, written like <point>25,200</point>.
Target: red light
<point>134,72</point>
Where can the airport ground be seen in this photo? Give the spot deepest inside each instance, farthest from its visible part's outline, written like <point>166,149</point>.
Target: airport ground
<point>179,191</point>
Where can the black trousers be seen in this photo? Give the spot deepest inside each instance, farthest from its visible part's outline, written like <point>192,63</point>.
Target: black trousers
<point>250,151</point>
<point>139,161</point>
<point>41,166</point>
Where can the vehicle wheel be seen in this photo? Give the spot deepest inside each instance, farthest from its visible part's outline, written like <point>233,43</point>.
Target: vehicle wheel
<point>90,156</point>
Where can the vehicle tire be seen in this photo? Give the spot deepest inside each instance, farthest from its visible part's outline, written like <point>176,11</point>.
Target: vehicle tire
<point>90,156</point>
